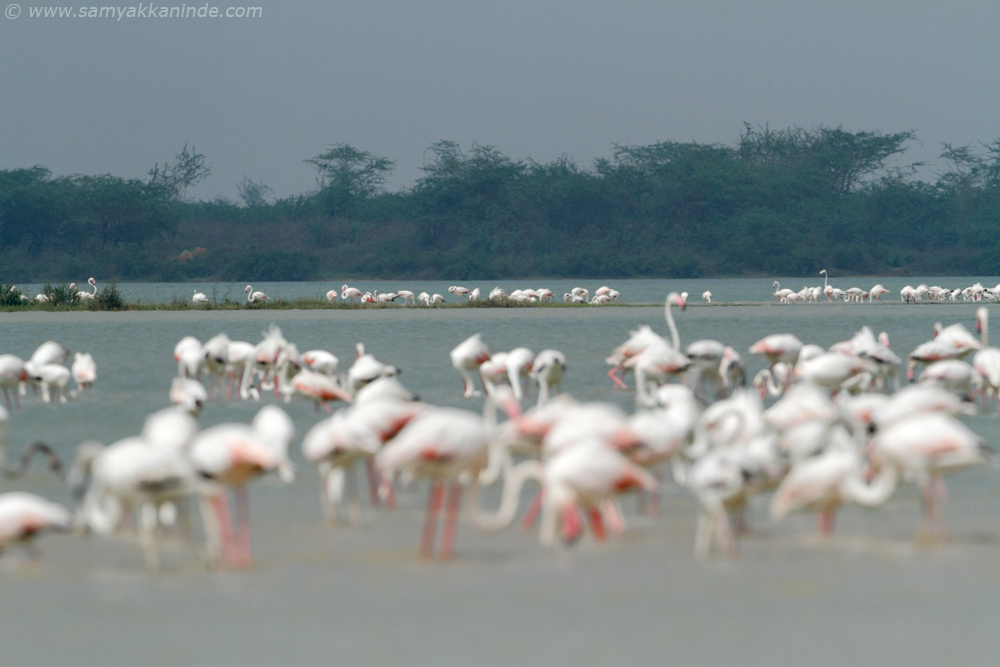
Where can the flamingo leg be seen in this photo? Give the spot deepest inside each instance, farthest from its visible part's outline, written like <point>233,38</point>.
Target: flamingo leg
<point>386,492</point>
<point>571,525</point>
<point>596,524</point>
<point>612,513</point>
<point>221,505</point>
<point>532,514</point>
<point>373,484</point>
<point>242,524</point>
<point>824,522</point>
<point>614,378</point>
<point>451,520</point>
<point>430,519</point>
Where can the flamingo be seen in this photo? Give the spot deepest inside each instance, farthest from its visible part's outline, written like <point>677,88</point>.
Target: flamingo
<point>823,482</point>
<point>876,293</point>
<point>365,369</point>
<point>320,388</point>
<point>358,432</point>
<point>199,297</point>
<point>132,472</point>
<point>254,297</point>
<point>586,475</point>
<point>84,370</point>
<point>424,298</point>
<point>547,371</point>
<point>350,293</point>
<point>435,299</point>
<point>331,296</point>
<point>53,380</point>
<point>321,361</point>
<point>232,455</point>
<point>468,356</point>
<point>25,515</point>
<point>442,444</point>
<point>12,373</point>
<point>923,447</point>
<point>457,290</point>
<point>706,296</point>
<point>86,296</point>
<point>189,394</point>
<point>388,297</point>
<point>519,364</point>
<point>987,360</point>
<point>778,348</point>
<point>407,296</point>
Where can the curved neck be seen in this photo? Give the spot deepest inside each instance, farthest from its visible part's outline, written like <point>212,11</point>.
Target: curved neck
<point>249,293</point>
<point>513,482</point>
<point>874,494</point>
<point>674,337</point>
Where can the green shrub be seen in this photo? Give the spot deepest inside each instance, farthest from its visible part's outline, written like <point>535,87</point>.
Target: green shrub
<point>61,294</point>
<point>109,298</point>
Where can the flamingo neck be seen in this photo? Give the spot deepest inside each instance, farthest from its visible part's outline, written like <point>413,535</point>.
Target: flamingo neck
<point>513,481</point>
<point>674,336</point>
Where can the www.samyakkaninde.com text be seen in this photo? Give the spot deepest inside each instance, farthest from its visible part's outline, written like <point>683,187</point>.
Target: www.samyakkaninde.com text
<point>143,11</point>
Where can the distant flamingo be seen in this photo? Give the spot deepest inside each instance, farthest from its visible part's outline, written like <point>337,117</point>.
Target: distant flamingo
<point>331,296</point>
<point>86,296</point>
<point>254,297</point>
<point>350,293</point>
<point>199,297</point>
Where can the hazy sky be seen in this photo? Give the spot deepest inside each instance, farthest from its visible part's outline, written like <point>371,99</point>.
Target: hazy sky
<point>535,79</point>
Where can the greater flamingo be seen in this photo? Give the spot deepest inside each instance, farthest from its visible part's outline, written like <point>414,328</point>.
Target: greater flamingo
<point>199,297</point>
<point>254,297</point>
<point>468,356</point>
<point>25,515</point>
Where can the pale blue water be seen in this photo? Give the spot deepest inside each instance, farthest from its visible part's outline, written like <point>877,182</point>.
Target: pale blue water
<point>361,595</point>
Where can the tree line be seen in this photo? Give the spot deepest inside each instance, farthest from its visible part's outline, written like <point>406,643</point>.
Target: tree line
<point>789,201</point>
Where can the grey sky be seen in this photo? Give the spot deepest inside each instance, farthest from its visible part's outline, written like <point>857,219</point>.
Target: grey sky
<point>535,79</point>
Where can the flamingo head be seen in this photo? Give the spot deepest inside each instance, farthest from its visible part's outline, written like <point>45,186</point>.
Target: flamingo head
<point>677,300</point>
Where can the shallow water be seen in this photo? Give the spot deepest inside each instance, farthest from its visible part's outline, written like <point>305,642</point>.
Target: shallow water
<point>873,594</point>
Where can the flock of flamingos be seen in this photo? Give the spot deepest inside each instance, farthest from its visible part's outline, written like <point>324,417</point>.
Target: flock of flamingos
<point>602,295</point>
<point>838,430</point>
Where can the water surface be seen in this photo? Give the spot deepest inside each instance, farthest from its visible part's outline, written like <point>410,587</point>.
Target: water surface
<point>873,594</point>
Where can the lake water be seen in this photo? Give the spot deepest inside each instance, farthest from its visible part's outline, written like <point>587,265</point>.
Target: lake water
<point>873,594</point>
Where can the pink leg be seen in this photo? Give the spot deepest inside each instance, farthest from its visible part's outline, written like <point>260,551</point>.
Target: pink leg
<point>451,521</point>
<point>613,515</point>
<point>824,522</point>
<point>571,525</point>
<point>221,505</point>
<point>596,523</point>
<point>532,514</point>
<point>614,378</point>
<point>430,520</point>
